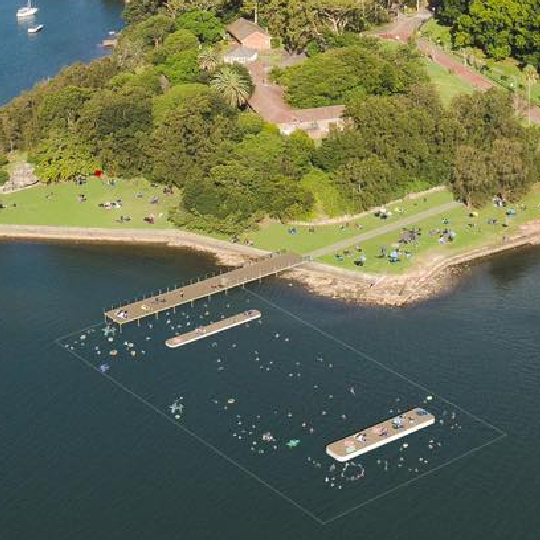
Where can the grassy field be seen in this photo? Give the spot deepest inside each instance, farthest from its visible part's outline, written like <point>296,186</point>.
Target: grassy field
<point>507,73</point>
<point>276,236</point>
<point>459,221</point>
<point>448,84</point>
<point>58,205</point>
<point>437,33</point>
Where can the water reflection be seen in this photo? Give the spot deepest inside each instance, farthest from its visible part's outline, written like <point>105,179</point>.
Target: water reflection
<point>508,268</point>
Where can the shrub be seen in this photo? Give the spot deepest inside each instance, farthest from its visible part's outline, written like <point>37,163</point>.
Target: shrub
<point>4,176</point>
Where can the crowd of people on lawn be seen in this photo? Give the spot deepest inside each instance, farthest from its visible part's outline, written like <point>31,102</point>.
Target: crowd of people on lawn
<point>117,204</point>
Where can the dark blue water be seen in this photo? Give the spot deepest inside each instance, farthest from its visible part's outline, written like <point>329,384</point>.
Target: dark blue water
<point>73,32</point>
<point>90,456</point>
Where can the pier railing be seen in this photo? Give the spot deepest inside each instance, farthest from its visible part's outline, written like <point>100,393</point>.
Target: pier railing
<point>202,287</point>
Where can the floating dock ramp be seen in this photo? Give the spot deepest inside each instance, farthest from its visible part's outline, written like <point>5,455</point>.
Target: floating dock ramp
<point>214,328</point>
<point>153,305</point>
<point>380,434</point>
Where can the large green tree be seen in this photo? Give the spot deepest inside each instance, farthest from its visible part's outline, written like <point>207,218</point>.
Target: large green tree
<point>138,10</point>
<point>501,28</point>
<point>114,126</point>
<point>185,143</point>
<point>62,157</point>
<point>339,75</point>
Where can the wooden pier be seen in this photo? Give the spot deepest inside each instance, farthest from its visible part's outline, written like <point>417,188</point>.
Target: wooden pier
<point>380,434</point>
<point>170,299</point>
<point>205,331</point>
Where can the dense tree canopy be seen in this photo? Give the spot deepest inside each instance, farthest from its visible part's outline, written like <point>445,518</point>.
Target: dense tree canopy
<point>506,153</point>
<point>501,28</point>
<point>163,105</point>
<point>341,74</point>
<point>400,142</point>
<point>299,22</point>
<point>184,144</point>
<point>258,176</point>
<point>204,24</point>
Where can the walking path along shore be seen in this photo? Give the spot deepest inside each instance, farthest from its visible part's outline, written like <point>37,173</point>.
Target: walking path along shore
<point>429,278</point>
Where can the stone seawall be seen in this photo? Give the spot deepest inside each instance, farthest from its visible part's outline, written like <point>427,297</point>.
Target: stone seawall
<point>435,277</point>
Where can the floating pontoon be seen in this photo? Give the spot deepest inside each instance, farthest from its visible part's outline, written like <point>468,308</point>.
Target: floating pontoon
<point>380,434</point>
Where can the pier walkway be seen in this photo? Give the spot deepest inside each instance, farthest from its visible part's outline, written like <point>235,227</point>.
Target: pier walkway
<point>264,267</point>
<point>213,328</point>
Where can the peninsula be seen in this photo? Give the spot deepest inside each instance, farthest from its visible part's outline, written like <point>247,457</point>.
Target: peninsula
<point>361,148</point>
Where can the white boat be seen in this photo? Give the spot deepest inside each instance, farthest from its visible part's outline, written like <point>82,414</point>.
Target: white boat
<point>35,29</point>
<point>27,11</point>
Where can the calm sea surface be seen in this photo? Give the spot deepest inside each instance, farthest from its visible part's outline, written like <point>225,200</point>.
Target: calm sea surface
<point>73,31</point>
<point>87,456</point>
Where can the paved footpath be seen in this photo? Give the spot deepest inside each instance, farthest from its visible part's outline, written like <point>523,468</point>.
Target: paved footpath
<point>437,55</point>
<point>395,226</point>
<point>405,27</point>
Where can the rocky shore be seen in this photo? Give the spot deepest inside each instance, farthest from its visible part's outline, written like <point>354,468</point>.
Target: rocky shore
<point>433,277</point>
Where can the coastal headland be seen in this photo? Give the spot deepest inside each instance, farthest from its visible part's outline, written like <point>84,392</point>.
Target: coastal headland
<point>373,227</point>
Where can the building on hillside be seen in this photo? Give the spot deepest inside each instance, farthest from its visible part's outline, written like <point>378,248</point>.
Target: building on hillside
<point>249,34</point>
<point>240,55</point>
<point>315,122</point>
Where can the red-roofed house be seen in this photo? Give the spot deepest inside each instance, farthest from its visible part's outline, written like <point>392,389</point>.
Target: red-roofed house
<point>249,34</point>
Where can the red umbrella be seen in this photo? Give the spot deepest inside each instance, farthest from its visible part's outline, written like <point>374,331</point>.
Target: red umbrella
<point>98,173</point>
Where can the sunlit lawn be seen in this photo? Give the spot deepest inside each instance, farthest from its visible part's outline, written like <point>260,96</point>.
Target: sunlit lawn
<point>276,236</point>
<point>63,209</point>
<point>506,72</point>
<point>448,84</point>
<point>467,237</point>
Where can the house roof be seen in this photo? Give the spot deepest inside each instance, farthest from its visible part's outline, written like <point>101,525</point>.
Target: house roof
<point>242,28</point>
<point>241,52</point>
<point>330,112</point>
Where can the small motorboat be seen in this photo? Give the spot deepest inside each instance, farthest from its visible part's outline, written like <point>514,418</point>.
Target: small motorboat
<point>27,11</point>
<point>35,29</point>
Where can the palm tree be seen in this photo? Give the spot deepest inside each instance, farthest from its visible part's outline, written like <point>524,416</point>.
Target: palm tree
<point>232,86</point>
<point>531,76</point>
<point>208,60</point>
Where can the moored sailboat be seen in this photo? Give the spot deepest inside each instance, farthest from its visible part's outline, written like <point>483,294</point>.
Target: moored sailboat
<point>27,11</point>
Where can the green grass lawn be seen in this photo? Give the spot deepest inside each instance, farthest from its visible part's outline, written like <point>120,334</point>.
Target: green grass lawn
<point>63,209</point>
<point>275,236</point>
<point>467,237</point>
<point>507,73</point>
<point>437,33</point>
<point>448,84</point>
